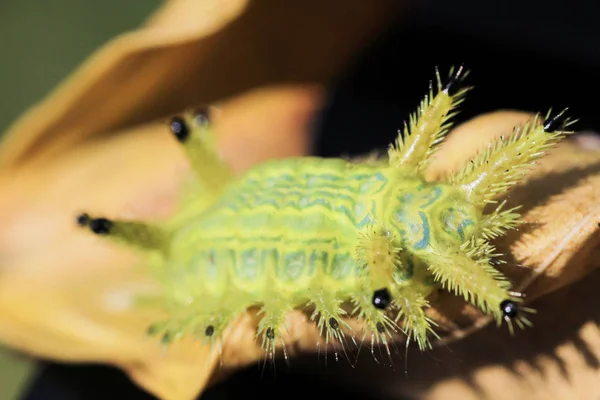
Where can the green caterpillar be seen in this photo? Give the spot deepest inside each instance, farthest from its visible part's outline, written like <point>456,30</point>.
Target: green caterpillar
<point>368,239</point>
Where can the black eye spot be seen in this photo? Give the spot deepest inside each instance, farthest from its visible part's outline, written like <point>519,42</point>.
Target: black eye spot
<point>210,330</point>
<point>179,128</point>
<point>270,333</point>
<point>509,309</point>
<point>83,219</point>
<point>382,299</point>
<point>101,226</point>
<point>201,117</point>
<point>333,323</point>
<point>380,327</point>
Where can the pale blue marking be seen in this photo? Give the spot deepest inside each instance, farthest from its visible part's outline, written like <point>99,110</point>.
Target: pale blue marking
<point>421,244</point>
<point>437,192</point>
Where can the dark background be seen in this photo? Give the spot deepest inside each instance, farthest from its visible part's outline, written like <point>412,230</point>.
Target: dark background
<point>525,55</point>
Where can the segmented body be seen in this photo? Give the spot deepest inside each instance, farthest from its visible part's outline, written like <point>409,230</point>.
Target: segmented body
<point>326,233</point>
<point>293,226</point>
<point>289,225</point>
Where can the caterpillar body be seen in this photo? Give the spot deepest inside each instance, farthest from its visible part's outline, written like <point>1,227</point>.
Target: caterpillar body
<point>371,239</point>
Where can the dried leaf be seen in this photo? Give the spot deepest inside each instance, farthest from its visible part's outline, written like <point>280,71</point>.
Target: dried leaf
<point>194,53</point>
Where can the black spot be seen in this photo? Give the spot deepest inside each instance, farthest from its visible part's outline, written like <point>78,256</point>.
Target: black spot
<point>554,123</point>
<point>380,327</point>
<point>101,226</point>
<point>152,330</point>
<point>83,219</point>
<point>167,338</point>
<point>454,83</point>
<point>509,309</point>
<point>201,117</point>
<point>210,330</point>
<point>179,128</point>
<point>382,299</point>
<point>270,333</point>
<point>333,323</point>
<point>451,87</point>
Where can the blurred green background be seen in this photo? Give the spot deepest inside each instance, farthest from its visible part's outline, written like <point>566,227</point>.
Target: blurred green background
<point>42,41</point>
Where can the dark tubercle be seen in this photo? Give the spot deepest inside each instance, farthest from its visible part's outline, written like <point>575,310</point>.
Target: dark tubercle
<point>152,330</point>
<point>100,226</point>
<point>83,219</point>
<point>167,338</point>
<point>454,83</point>
<point>179,129</point>
<point>509,308</point>
<point>201,117</point>
<point>210,330</point>
<point>333,323</point>
<point>270,333</point>
<point>554,123</point>
<point>382,299</point>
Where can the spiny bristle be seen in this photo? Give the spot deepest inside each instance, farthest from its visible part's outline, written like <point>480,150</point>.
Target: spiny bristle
<point>501,165</point>
<point>428,126</point>
<point>552,124</point>
<point>456,80</point>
